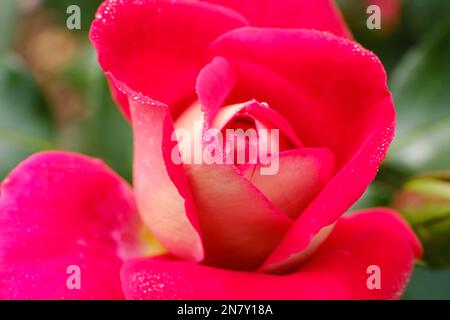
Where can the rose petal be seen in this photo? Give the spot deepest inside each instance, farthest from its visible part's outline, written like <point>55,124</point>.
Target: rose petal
<point>57,210</point>
<point>263,116</point>
<point>334,94</point>
<point>154,46</point>
<point>339,270</point>
<point>302,174</point>
<point>310,78</point>
<point>214,83</point>
<point>239,226</point>
<point>162,192</point>
<point>306,14</point>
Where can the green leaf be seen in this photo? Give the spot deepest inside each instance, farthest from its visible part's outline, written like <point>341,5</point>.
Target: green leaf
<point>8,18</point>
<point>420,86</point>
<point>25,122</point>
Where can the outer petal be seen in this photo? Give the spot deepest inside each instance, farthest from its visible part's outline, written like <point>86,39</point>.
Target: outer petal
<point>157,47</point>
<point>306,14</point>
<point>337,271</point>
<point>162,192</point>
<point>335,95</point>
<point>57,210</point>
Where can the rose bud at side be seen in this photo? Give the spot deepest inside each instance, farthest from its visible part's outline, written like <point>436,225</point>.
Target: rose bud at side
<point>425,203</point>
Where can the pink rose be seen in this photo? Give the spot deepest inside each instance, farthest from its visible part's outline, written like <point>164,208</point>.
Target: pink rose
<point>231,231</point>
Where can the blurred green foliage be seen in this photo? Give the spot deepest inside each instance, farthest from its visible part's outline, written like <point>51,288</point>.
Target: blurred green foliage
<point>26,124</point>
<point>421,88</point>
<point>88,9</point>
<point>103,132</point>
<point>8,16</point>
<point>417,18</point>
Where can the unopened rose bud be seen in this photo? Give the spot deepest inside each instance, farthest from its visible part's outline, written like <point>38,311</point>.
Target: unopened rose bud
<point>425,203</point>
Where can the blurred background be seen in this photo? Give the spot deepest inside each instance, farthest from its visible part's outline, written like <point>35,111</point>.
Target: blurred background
<point>54,96</point>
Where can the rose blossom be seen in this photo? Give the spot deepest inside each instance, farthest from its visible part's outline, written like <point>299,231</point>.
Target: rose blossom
<point>230,232</point>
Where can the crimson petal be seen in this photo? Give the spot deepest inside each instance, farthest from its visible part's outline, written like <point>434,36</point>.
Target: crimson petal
<point>59,210</point>
<point>340,269</point>
<point>305,14</point>
<point>334,94</point>
<point>154,46</point>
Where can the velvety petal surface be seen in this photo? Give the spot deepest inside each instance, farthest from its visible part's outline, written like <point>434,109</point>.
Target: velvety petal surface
<point>215,82</point>
<point>334,94</point>
<point>306,14</point>
<point>59,210</point>
<point>157,47</point>
<point>300,176</point>
<point>262,116</point>
<point>340,269</point>
<point>162,192</point>
<point>235,234</point>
